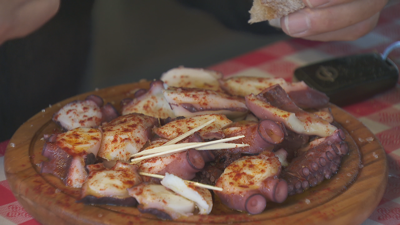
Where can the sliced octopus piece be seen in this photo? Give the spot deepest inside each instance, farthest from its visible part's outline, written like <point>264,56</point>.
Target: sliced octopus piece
<point>161,202</point>
<point>242,86</point>
<point>304,96</point>
<point>299,121</point>
<point>183,164</point>
<point>260,136</point>
<point>178,127</point>
<point>323,113</point>
<point>250,181</point>
<point>192,78</point>
<point>109,186</point>
<point>189,102</point>
<point>125,136</point>
<point>200,196</point>
<point>80,141</point>
<point>79,114</point>
<point>150,103</point>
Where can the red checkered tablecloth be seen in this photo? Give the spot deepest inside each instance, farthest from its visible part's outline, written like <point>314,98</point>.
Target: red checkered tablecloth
<point>381,114</point>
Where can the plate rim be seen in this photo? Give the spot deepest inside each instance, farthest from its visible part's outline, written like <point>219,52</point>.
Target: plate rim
<point>16,176</point>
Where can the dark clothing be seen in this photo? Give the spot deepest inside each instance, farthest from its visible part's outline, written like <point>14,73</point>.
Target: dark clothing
<point>234,14</point>
<point>44,67</point>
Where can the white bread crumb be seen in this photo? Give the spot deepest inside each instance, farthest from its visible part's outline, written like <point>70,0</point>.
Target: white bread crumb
<point>263,10</point>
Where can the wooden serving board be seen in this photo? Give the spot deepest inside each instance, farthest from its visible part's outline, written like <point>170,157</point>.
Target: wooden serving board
<point>349,197</point>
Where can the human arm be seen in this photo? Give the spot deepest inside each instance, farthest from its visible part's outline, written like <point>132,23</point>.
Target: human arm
<point>333,20</point>
<point>19,18</point>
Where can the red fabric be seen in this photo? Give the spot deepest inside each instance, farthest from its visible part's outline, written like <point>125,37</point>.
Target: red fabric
<point>3,146</point>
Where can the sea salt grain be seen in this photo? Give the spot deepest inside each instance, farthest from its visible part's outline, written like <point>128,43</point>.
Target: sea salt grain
<point>308,201</point>
<point>369,139</point>
<point>100,215</point>
<point>375,155</point>
<point>347,121</point>
<point>349,174</point>
<point>43,110</point>
<point>360,139</point>
<point>12,145</point>
<point>50,105</point>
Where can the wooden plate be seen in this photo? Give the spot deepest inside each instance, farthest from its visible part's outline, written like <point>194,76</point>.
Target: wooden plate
<point>348,198</point>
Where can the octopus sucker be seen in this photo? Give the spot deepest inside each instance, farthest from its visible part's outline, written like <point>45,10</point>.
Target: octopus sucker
<point>274,189</point>
<point>270,131</point>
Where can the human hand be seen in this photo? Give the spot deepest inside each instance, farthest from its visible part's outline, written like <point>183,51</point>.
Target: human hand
<point>333,20</point>
<point>19,18</point>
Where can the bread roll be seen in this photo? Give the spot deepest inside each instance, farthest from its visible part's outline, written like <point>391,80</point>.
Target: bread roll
<point>263,10</point>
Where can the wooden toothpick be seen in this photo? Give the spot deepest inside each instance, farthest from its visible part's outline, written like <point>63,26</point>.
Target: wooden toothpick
<point>187,134</point>
<point>199,144</point>
<point>187,181</point>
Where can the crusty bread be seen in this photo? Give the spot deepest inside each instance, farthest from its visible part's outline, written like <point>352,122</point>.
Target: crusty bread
<point>263,10</point>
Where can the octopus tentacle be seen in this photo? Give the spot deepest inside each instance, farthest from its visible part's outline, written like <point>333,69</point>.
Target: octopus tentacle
<point>250,181</point>
<point>189,102</point>
<point>320,161</point>
<point>109,112</point>
<point>274,189</point>
<point>97,99</point>
<point>261,136</point>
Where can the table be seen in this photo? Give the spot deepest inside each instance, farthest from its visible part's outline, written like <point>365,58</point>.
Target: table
<point>381,113</point>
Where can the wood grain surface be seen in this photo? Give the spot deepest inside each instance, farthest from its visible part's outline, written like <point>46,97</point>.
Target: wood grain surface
<point>349,197</point>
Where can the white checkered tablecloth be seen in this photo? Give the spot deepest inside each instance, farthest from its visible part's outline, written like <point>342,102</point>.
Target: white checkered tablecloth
<point>381,114</point>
